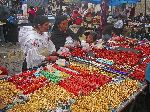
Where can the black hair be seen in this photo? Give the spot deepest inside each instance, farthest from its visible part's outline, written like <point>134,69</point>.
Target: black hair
<point>58,20</point>
<point>93,34</point>
<point>39,20</point>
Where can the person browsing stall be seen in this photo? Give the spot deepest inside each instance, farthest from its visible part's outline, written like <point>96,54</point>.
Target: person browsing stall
<point>62,35</point>
<point>36,43</point>
<point>90,41</point>
<point>118,25</point>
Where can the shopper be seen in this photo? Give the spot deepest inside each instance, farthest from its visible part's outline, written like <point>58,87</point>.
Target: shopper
<point>4,13</point>
<point>90,41</point>
<point>12,27</point>
<point>118,25</point>
<point>61,33</point>
<point>36,44</point>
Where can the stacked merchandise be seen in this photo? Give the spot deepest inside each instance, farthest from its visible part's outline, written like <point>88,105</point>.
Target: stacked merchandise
<point>105,81</point>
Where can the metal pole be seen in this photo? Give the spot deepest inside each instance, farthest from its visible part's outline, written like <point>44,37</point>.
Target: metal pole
<point>104,12</point>
<point>145,7</point>
<point>145,13</point>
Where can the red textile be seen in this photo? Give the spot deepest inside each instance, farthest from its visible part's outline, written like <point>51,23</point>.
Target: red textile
<point>4,71</point>
<point>76,17</point>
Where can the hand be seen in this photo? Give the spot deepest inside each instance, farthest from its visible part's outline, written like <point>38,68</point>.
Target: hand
<point>76,43</point>
<point>54,54</point>
<point>67,46</point>
<point>52,58</point>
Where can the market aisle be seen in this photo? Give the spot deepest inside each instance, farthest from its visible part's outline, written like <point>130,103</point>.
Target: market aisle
<point>11,57</point>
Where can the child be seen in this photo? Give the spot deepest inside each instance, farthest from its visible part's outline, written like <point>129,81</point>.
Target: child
<point>90,40</point>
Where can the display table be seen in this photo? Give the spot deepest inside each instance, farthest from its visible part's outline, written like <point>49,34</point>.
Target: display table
<point>107,81</point>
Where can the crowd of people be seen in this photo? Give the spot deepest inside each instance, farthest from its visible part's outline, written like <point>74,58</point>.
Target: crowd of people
<point>39,46</point>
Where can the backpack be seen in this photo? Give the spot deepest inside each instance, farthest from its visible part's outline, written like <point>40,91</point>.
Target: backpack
<point>12,20</point>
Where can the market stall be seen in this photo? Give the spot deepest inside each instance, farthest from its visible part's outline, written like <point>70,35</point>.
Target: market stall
<point>104,80</point>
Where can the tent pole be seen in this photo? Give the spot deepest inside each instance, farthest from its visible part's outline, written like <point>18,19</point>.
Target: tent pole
<point>145,13</point>
<point>145,8</point>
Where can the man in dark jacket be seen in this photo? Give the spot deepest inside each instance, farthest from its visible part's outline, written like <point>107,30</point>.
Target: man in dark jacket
<point>4,12</point>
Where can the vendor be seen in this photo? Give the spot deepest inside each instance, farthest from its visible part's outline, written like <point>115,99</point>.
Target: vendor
<point>36,44</point>
<point>62,33</point>
<point>118,25</point>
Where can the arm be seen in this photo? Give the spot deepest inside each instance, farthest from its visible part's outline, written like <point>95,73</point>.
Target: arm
<point>51,47</point>
<point>33,57</point>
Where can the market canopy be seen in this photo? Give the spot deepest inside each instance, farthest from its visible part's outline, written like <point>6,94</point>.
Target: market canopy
<point>118,2</point>
<point>113,2</point>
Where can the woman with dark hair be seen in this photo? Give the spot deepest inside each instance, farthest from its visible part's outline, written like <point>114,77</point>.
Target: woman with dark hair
<point>118,25</point>
<point>61,33</point>
<point>36,44</point>
<point>90,41</point>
